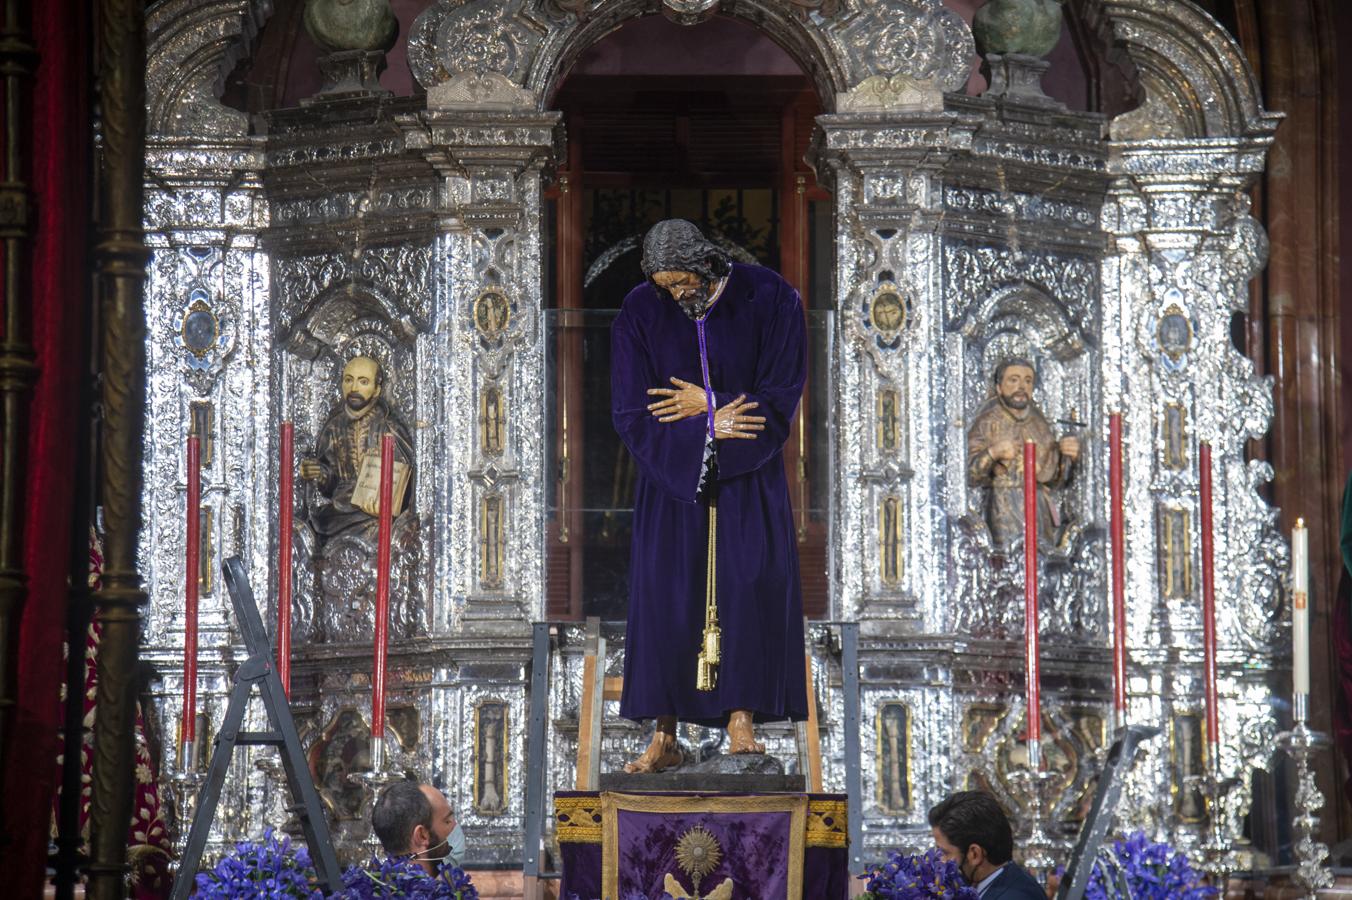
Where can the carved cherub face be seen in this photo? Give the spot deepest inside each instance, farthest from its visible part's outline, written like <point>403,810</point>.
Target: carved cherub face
<point>1015,386</point>
<point>361,383</point>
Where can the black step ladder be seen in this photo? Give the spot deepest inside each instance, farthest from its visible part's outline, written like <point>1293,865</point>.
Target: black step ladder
<point>258,671</point>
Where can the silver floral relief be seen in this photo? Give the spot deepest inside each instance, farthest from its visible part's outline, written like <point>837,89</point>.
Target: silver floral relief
<point>917,38</point>
<point>474,36</point>
<point>1211,92</point>
<point>206,294</point>
<point>1186,251</point>
<point>488,300</point>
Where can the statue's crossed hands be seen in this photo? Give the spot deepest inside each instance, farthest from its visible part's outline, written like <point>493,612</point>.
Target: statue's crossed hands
<point>681,402</point>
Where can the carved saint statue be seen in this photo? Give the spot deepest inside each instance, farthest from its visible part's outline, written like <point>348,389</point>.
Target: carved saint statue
<point>995,442</point>
<point>348,441</point>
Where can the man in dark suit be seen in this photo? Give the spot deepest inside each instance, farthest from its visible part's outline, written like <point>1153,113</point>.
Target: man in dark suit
<point>971,829</point>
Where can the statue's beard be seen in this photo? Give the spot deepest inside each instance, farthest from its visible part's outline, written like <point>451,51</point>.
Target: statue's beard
<point>357,403</point>
<point>1016,402</point>
<point>696,303</point>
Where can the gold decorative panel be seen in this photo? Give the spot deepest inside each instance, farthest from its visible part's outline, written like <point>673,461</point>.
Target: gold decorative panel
<point>889,540</point>
<point>1175,553</point>
<point>491,512</point>
<point>490,757</point>
<point>893,757</point>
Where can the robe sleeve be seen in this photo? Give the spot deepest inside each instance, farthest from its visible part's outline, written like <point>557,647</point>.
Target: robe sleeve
<point>669,454</point>
<point>326,454</point>
<point>980,464</point>
<point>781,370</point>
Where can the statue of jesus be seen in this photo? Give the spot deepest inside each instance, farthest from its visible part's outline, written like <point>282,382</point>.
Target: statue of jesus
<point>707,368</point>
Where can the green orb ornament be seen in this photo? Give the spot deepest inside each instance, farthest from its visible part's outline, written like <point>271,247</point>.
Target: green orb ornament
<point>1026,27</point>
<point>339,25</point>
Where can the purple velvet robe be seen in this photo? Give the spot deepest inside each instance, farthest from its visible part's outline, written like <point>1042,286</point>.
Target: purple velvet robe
<point>756,343</point>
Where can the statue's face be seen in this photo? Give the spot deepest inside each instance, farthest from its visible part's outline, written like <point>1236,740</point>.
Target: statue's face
<point>1016,387</point>
<point>361,385</point>
<point>687,288</point>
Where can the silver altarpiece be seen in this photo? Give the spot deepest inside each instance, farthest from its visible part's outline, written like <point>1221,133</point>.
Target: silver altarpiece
<point>1113,251</point>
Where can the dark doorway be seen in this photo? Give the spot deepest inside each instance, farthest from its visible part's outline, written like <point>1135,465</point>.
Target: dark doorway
<point>709,123</point>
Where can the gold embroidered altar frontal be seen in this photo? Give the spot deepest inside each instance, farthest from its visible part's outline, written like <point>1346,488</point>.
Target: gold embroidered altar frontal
<point>614,803</point>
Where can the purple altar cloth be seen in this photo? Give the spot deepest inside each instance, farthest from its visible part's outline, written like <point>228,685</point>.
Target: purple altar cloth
<point>756,846</point>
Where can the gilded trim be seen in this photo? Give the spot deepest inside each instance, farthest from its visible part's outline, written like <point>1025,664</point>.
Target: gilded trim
<point>578,820</point>
<point>828,824</point>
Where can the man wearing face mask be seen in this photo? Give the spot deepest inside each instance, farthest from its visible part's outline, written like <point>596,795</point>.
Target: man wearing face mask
<point>415,820</point>
<point>971,829</point>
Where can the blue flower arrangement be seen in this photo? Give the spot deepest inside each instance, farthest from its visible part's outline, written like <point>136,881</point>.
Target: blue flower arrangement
<point>272,869</point>
<point>402,877</point>
<point>1138,868</point>
<point>927,877</point>
<point>267,869</point>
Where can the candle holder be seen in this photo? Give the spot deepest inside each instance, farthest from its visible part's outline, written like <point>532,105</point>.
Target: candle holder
<point>1034,783</point>
<point>1217,848</point>
<point>279,793</point>
<point>373,780</point>
<point>183,783</point>
<point>1301,743</point>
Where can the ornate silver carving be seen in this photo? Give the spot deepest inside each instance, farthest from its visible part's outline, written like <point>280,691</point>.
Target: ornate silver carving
<point>1217,94</point>
<point>191,46</point>
<point>423,214</point>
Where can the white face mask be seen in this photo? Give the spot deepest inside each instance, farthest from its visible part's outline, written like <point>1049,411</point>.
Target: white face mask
<point>454,852</point>
<point>457,849</point>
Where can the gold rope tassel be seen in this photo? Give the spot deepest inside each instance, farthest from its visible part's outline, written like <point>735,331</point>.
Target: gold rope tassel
<point>706,674</point>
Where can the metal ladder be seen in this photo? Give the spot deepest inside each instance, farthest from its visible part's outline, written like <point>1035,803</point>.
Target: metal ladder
<point>257,671</point>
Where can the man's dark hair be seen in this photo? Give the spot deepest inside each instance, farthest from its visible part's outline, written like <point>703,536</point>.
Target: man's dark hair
<point>399,809</point>
<point>973,817</point>
<point>1009,361</point>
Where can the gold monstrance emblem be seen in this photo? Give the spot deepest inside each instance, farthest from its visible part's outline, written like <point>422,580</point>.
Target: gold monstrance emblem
<point>697,854</point>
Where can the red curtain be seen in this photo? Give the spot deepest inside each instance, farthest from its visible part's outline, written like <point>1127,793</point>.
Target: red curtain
<point>60,151</point>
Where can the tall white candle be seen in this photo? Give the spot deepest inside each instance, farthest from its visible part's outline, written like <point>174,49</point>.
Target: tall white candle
<point>1300,613</point>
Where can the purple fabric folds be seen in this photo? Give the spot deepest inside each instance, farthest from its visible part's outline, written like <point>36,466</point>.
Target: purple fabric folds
<point>755,337</point>
<point>755,852</point>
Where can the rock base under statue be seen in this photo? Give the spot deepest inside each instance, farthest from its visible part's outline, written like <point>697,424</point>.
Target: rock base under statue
<point>753,773</point>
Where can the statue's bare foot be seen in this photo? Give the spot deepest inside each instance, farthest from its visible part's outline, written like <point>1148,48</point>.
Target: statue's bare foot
<point>662,753</point>
<point>742,734</point>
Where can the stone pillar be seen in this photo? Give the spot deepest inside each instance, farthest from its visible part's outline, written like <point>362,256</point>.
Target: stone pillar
<point>207,306</point>
<point>487,306</point>
<point>887,180</point>
<point>1183,250</point>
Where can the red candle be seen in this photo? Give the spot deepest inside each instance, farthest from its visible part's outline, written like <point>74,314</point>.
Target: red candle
<point>1119,570</point>
<point>1034,686</point>
<point>1208,605</point>
<point>382,585</point>
<point>193,567</point>
<point>286,499</point>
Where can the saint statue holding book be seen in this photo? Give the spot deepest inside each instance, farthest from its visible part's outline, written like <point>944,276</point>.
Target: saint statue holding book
<point>346,466</point>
